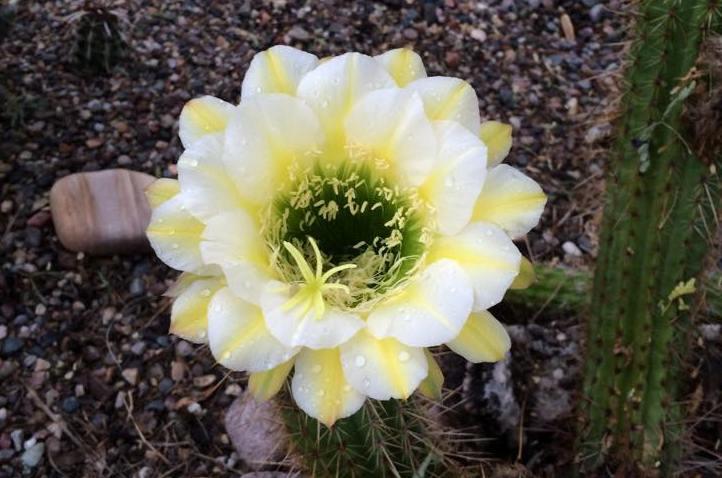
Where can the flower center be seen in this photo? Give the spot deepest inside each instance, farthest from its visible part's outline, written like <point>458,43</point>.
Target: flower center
<point>368,233</point>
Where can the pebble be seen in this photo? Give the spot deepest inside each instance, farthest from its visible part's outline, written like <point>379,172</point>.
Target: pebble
<point>6,455</point>
<point>166,385</point>
<point>131,375</point>
<point>3,331</point>
<point>71,405</point>
<point>32,457</point>
<point>138,348</point>
<point>6,206</point>
<point>570,248</point>
<point>17,437</point>
<point>596,12</point>
<point>204,380</point>
<point>124,160</point>
<point>11,346</point>
<point>183,349</point>
<point>137,287</point>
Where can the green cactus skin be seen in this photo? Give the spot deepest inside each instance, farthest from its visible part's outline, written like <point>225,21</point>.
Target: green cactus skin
<point>384,439</point>
<point>657,228</point>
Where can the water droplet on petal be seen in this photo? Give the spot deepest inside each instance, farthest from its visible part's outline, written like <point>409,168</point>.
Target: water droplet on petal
<point>347,388</point>
<point>206,292</point>
<point>316,368</point>
<point>226,356</point>
<point>175,246</point>
<point>404,356</point>
<point>321,393</point>
<point>360,361</point>
<point>193,163</point>
<point>366,382</point>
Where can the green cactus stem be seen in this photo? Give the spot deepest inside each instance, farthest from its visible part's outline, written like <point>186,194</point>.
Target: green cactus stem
<point>659,221</point>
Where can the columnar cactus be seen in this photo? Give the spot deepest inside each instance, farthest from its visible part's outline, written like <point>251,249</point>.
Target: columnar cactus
<point>660,214</point>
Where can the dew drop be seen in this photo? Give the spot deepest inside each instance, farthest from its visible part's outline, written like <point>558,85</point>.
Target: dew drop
<point>321,393</point>
<point>175,246</point>
<point>347,388</point>
<point>316,368</point>
<point>404,356</point>
<point>203,334</point>
<point>360,361</point>
<point>489,232</point>
<point>226,356</point>
<point>324,104</point>
<point>366,382</point>
<point>206,292</point>
<point>193,163</point>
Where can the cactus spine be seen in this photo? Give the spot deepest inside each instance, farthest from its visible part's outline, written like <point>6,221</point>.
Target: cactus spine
<point>659,217</point>
<point>383,439</point>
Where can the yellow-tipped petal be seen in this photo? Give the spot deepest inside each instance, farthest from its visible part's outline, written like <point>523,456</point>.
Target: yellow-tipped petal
<point>429,311</point>
<point>447,98</point>
<point>497,138</point>
<point>382,368</point>
<point>203,116</point>
<point>238,338</point>
<point>265,385</point>
<point>175,235</point>
<point>483,339</point>
<point>434,381</point>
<point>320,387</point>
<point>403,64</point>
<point>391,123</point>
<point>510,200</point>
<point>189,313</point>
<point>488,257</point>
<point>277,70</point>
<point>161,190</point>
<point>526,275</point>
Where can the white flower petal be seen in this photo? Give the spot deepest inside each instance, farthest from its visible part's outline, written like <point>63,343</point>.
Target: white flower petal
<point>298,326</point>
<point>487,255</point>
<point>320,388</point>
<point>431,310</point>
<point>277,70</point>
<point>403,64</point>
<point>189,313</point>
<point>457,178</point>
<point>232,241</point>
<point>511,200</point>
<point>206,186</point>
<point>483,339</point>
<point>265,385</point>
<point>263,137</point>
<point>175,235</point>
<point>391,124</point>
<point>203,116</point>
<point>335,85</point>
<point>447,98</point>
<point>382,368</point>
<point>238,338</point>
<point>497,138</point>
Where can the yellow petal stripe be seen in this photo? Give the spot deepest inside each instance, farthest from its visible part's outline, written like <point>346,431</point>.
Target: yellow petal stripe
<point>265,385</point>
<point>382,368</point>
<point>483,339</point>
<point>432,384</point>
<point>161,190</point>
<point>403,64</point>
<point>203,116</point>
<point>497,138</point>
<point>175,235</point>
<point>526,275</point>
<point>510,200</point>
<point>189,314</point>
<point>320,388</point>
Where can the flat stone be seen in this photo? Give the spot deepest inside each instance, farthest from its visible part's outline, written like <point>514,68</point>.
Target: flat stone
<point>256,431</point>
<point>102,212</point>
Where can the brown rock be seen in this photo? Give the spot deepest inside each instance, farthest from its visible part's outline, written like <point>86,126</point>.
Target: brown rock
<point>567,27</point>
<point>103,212</point>
<point>256,431</point>
<point>39,219</point>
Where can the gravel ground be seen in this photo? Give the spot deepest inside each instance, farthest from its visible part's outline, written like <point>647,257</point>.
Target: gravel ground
<point>92,385</point>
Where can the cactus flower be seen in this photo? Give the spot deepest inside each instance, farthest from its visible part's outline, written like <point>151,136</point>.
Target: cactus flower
<point>346,215</point>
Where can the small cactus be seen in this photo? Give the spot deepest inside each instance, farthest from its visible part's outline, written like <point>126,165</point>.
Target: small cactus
<point>98,43</point>
<point>660,217</point>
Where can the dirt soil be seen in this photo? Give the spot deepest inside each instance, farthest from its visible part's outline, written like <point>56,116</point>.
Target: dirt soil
<point>87,368</point>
